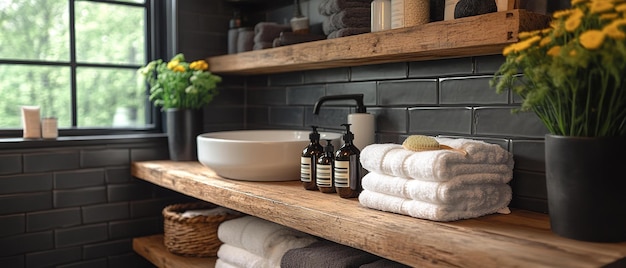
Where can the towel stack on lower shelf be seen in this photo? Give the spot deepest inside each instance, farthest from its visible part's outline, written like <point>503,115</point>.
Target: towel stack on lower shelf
<point>439,185</point>
<point>253,242</point>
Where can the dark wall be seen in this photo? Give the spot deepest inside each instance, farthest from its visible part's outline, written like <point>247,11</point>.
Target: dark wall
<point>75,204</point>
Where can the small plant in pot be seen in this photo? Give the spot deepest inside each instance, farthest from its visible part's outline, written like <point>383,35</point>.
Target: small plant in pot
<point>572,76</point>
<point>181,89</point>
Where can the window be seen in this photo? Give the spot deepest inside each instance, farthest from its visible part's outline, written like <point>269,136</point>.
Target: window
<point>77,60</point>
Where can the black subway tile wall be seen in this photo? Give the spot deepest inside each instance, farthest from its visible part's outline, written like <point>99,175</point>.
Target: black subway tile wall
<point>450,97</point>
<point>79,206</point>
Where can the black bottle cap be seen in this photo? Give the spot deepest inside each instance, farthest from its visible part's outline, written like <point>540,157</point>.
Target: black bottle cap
<point>314,136</point>
<point>348,137</point>
<point>329,148</point>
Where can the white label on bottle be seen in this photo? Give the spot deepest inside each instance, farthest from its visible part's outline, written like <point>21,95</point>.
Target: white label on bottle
<point>305,169</point>
<point>324,176</point>
<point>342,173</point>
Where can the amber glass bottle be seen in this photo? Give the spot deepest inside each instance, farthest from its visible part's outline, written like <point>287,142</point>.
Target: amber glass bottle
<point>308,161</point>
<point>325,178</point>
<point>347,167</point>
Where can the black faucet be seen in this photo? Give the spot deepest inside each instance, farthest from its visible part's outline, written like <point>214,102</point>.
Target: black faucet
<point>360,107</point>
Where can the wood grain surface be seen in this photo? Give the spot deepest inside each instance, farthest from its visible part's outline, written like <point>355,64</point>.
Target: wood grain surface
<point>519,239</point>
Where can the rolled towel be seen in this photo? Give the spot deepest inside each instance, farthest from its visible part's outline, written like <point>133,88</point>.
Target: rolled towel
<point>429,211</point>
<point>329,7</point>
<point>357,17</point>
<point>267,31</point>
<point>348,32</point>
<point>476,190</point>
<point>438,165</point>
<point>326,254</point>
<point>239,257</point>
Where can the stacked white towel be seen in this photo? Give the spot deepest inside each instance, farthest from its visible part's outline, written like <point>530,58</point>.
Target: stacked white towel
<point>440,185</point>
<point>253,242</point>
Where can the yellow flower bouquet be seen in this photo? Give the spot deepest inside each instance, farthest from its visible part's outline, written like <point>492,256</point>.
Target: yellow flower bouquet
<point>178,84</point>
<point>571,74</point>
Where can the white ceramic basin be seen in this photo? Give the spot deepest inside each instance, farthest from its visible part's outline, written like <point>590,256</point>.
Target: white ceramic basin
<point>257,155</point>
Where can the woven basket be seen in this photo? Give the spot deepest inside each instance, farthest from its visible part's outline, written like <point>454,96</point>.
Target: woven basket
<point>195,236</point>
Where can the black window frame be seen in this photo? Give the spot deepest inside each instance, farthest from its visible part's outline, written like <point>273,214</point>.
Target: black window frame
<point>157,31</point>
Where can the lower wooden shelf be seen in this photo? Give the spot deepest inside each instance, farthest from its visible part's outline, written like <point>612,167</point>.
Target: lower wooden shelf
<point>520,239</point>
<point>153,249</point>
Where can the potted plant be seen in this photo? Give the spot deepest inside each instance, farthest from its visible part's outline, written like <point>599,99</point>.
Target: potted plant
<point>181,89</point>
<point>572,75</point>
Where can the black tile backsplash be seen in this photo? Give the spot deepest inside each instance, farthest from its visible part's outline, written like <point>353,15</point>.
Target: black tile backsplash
<point>51,219</point>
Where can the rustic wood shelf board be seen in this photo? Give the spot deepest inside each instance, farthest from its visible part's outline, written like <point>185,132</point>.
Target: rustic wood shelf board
<point>472,36</point>
<point>153,249</point>
<point>519,239</point>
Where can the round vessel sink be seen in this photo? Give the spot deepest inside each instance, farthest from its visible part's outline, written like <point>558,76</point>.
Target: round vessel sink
<point>257,155</point>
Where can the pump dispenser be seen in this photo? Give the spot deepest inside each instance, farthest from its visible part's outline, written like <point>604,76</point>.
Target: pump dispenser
<point>308,160</point>
<point>362,123</point>
<point>325,177</point>
<point>347,167</point>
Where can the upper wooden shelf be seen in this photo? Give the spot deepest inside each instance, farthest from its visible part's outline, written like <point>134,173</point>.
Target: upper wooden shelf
<point>472,36</point>
<point>519,239</point>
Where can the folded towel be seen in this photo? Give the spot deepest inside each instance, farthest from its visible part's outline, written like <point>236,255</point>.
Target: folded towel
<point>230,231</point>
<point>267,31</point>
<point>429,211</point>
<point>329,7</point>
<point>475,190</point>
<point>288,243</point>
<point>326,254</point>
<point>384,263</point>
<point>218,211</point>
<point>348,32</point>
<point>239,257</point>
<point>290,38</point>
<point>257,235</point>
<point>438,165</point>
<point>262,45</point>
<point>357,17</point>
<point>219,263</point>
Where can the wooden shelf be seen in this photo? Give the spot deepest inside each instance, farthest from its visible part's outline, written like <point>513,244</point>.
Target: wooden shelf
<point>472,36</point>
<point>519,239</point>
<point>153,249</point>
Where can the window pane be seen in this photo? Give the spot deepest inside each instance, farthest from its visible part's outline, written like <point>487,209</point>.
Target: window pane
<point>38,30</point>
<point>109,33</point>
<point>47,87</point>
<point>109,97</point>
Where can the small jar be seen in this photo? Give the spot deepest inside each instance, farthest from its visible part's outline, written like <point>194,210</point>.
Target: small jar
<point>49,128</point>
<point>407,13</point>
<point>381,15</point>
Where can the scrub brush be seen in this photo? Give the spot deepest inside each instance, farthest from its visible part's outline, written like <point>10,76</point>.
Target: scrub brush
<point>420,143</point>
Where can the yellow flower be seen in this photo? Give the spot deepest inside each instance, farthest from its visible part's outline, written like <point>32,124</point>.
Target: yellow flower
<point>600,6</point>
<point>592,39</point>
<point>554,51</point>
<point>508,49</point>
<point>523,45</point>
<point>545,41</point>
<point>620,8</point>
<point>199,65</point>
<point>574,20</point>
<point>561,13</point>
<point>178,69</point>
<point>609,16</point>
<point>612,30</point>
<point>172,64</point>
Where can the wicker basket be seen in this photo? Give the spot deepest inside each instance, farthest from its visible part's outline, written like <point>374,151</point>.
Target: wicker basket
<point>195,236</point>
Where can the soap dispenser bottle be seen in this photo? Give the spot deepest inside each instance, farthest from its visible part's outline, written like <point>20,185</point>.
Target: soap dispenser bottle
<point>347,167</point>
<point>325,177</point>
<point>308,160</point>
<point>362,123</point>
